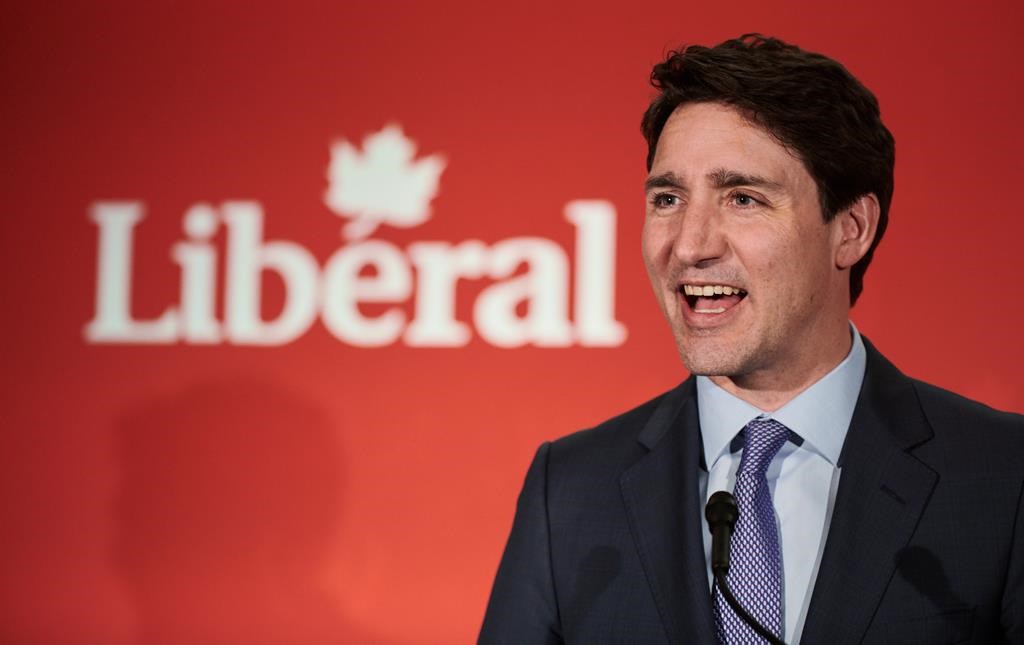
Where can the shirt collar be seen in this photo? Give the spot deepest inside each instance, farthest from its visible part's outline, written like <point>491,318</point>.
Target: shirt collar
<point>820,415</point>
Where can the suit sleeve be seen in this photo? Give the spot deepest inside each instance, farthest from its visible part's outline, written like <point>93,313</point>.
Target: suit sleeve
<point>1013,593</point>
<point>522,609</point>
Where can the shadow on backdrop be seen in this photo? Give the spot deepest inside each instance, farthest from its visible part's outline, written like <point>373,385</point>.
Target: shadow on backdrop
<point>226,511</point>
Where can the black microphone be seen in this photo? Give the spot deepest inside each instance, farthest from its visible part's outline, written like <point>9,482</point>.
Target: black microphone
<point>722,513</point>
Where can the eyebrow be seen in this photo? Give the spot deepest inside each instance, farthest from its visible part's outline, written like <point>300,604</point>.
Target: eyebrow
<point>719,178</point>
<point>663,180</point>
<point>722,178</point>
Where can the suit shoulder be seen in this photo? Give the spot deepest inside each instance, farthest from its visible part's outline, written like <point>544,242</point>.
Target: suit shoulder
<point>615,439</point>
<point>944,405</point>
<point>951,414</point>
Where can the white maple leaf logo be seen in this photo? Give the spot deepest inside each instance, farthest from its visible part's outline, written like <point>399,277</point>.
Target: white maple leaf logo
<point>383,184</point>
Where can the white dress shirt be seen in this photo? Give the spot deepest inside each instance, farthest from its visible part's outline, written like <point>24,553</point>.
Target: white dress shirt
<point>803,477</point>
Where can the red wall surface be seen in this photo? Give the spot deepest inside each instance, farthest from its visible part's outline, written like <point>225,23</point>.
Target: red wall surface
<point>210,489</point>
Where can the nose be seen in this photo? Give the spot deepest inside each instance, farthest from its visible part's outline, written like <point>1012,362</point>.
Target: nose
<point>699,236</point>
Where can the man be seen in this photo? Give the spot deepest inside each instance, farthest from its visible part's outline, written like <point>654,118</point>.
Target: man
<point>873,508</point>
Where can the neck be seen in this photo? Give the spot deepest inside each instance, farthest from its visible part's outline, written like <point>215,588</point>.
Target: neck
<point>771,388</point>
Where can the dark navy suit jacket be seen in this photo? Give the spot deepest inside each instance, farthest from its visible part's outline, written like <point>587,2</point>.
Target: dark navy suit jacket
<point>926,543</point>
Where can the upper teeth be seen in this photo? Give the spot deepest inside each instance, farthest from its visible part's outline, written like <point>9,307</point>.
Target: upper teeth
<point>710,290</point>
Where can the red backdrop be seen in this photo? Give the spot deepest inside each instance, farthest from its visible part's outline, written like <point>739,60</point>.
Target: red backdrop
<point>316,490</point>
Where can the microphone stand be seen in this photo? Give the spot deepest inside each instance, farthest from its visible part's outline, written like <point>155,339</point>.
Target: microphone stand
<point>721,513</point>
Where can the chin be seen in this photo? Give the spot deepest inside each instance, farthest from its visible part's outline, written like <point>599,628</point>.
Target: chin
<point>705,363</point>
<point>716,355</point>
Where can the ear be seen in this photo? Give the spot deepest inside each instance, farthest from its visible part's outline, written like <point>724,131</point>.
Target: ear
<point>855,228</point>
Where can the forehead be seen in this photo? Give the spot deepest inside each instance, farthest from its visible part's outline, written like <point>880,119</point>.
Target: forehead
<point>699,138</point>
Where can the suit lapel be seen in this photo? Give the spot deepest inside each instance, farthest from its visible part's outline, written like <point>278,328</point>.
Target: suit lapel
<point>882,493</point>
<point>662,502</point>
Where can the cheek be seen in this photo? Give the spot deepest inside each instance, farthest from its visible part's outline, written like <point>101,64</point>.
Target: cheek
<point>810,273</point>
<point>764,253</point>
<point>654,245</point>
<point>803,254</point>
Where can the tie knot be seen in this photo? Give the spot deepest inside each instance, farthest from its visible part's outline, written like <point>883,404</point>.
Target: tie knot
<point>762,439</point>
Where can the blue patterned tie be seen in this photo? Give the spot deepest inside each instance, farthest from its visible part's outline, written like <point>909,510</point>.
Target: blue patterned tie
<point>755,573</point>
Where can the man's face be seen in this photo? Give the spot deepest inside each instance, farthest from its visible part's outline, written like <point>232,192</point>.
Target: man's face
<point>739,254</point>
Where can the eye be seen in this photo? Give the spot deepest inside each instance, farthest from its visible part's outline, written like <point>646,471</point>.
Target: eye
<point>744,200</point>
<point>664,200</point>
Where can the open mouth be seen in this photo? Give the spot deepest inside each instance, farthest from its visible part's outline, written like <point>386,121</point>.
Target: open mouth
<point>712,298</point>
